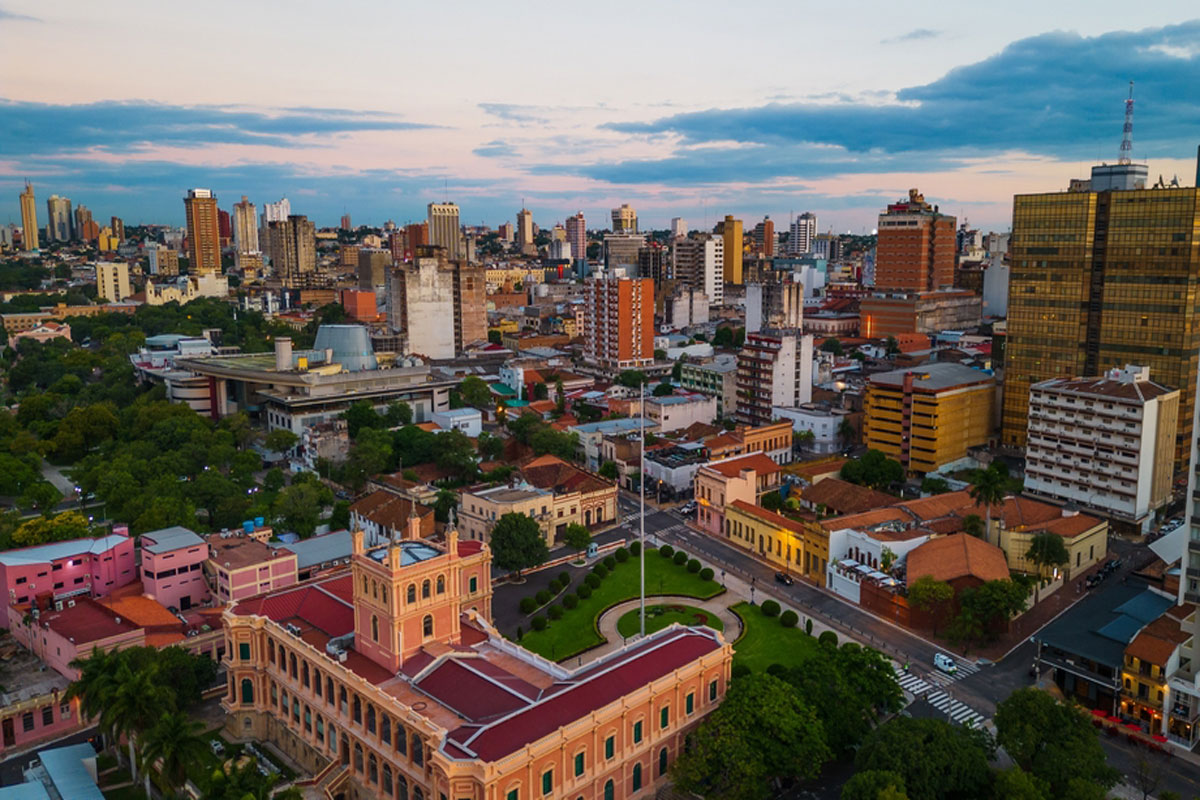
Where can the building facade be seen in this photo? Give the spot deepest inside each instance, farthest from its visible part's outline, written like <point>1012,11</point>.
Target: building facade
<point>29,223</point>
<point>619,322</point>
<point>59,223</point>
<point>774,369</point>
<point>203,232</point>
<point>699,262</point>
<point>800,237</point>
<point>293,247</point>
<point>577,236</point>
<point>443,229</point>
<point>112,281</point>
<point>624,219</point>
<point>721,483</point>
<point>717,377</point>
<point>916,247</point>
<point>794,546</point>
<point>173,567</point>
<point>731,234</point>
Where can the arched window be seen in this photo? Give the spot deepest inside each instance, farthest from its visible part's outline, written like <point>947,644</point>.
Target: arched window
<point>662,762</point>
<point>370,718</point>
<point>418,750</point>
<point>304,673</point>
<point>271,650</point>
<point>608,790</point>
<point>383,594</point>
<point>425,589</point>
<point>342,700</point>
<point>412,593</point>
<point>372,769</point>
<point>364,584</point>
<point>358,758</point>
<point>292,665</point>
<point>441,584</point>
<point>375,627</point>
<point>427,625</point>
<point>401,788</point>
<point>329,690</point>
<point>385,728</point>
<point>401,740</point>
<point>418,794</point>
<point>387,781</point>
<point>357,715</point>
<point>637,777</point>
<point>247,690</point>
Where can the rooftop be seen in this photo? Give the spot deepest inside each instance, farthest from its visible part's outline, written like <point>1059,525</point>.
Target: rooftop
<point>44,553</point>
<point>234,551</point>
<point>933,377</point>
<point>1116,388</point>
<point>732,468</point>
<point>85,622</point>
<point>1101,625</point>
<point>553,474</point>
<point>843,497</point>
<point>959,555</point>
<point>167,539</point>
<point>621,425</point>
<point>778,520</point>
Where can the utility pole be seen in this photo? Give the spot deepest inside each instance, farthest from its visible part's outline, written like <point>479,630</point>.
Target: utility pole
<point>642,502</point>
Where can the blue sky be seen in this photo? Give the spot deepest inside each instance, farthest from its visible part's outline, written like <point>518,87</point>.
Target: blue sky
<point>684,109</point>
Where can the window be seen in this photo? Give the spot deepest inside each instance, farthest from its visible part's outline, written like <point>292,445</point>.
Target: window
<point>609,745</point>
<point>548,781</point>
<point>375,627</point>
<point>27,721</point>
<point>418,751</point>
<point>712,691</point>
<point>662,762</point>
<point>637,731</point>
<point>48,715</point>
<point>513,794</point>
<point>689,703</point>
<point>412,593</point>
<point>271,650</point>
<point>664,717</point>
<point>578,764</point>
<point>427,626</point>
<point>247,691</point>
<point>473,585</point>
<point>425,590</point>
<point>441,585</point>
<point>608,790</point>
<point>637,777</point>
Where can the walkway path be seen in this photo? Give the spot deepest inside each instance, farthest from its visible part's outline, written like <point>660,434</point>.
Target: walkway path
<point>718,606</point>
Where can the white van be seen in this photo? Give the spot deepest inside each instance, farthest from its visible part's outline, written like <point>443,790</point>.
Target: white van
<point>945,663</point>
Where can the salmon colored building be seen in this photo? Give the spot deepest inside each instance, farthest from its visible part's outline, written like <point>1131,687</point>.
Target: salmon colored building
<point>389,682</point>
<point>618,321</point>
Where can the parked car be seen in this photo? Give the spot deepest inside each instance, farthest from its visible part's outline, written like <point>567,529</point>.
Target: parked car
<point>784,578</point>
<point>945,663</point>
<point>1112,564</point>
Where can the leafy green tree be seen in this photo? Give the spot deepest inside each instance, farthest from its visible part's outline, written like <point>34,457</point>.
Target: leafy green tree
<point>475,392</point>
<point>273,481</point>
<point>846,431</point>
<point>541,391</point>
<point>83,428</point>
<point>138,700</point>
<point>973,525</point>
<point>934,485</point>
<point>360,415</point>
<point>1051,740</point>
<point>370,455</point>
<point>340,518</point>
<point>1047,551</point>
<point>517,543</point>
<point>1016,784</point>
<point>549,441</point>
<point>871,785</point>
<point>983,609</point>
<point>988,487</point>
<point>832,346</point>
<point>660,355</point>
<point>444,502</point>
<point>631,378</point>
<point>609,470</point>
<point>41,495</point>
<point>494,336</point>
<point>59,528</point>
<point>772,501</point>
<point>677,369</point>
<point>935,759</point>
<point>456,454</point>
<point>930,595</point>
<point>803,438</point>
<point>663,389</point>
<point>491,447</point>
<point>175,739</point>
<point>280,440</point>
<point>525,426</point>
<point>761,736</point>
<point>398,413</point>
<point>892,346</point>
<point>874,469</point>
<point>577,537</point>
<point>299,506</point>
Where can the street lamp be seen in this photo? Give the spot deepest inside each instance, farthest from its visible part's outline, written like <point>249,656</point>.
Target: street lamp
<point>752,582</point>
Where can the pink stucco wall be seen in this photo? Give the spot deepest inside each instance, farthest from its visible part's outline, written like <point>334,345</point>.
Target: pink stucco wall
<point>178,574</point>
<point>56,651</point>
<point>98,573</point>
<point>32,713</point>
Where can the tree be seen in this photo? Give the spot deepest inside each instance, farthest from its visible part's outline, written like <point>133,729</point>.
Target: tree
<point>892,346</point>
<point>609,470</point>
<point>1051,740</point>
<point>973,525</point>
<point>1016,784</point>
<point>456,454</point>
<point>802,439</point>
<point>762,735</point>
<point>370,455</point>
<point>832,346</point>
<point>361,415</point>
<point>1047,550</point>
<point>475,392</point>
<point>175,739</point>
<point>723,337</point>
<point>541,391</point>
<point>846,431</point>
<point>934,485</point>
<point>664,388</point>
<point>41,495</point>
<point>577,536</point>
<point>59,528</point>
<point>660,355</point>
<point>398,413</point>
<point>987,489</point>
<point>874,469</point>
<point>983,609</point>
<point>549,441</point>
<point>871,784</point>
<point>281,440</point>
<point>632,378</point>
<point>491,447</point>
<point>934,758</point>
<point>137,700</point>
<point>494,336</point>
<point>273,481</point>
<point>677,369</point>
<point>930,595</point>
<point>517,543</point>
<point>299,506</point>
<point>772,501</point>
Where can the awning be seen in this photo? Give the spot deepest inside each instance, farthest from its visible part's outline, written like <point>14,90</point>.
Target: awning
<point>1158,737</point>
<point>1099,712</point>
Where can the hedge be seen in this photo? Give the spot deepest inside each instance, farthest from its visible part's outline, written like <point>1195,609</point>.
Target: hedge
<point>706,574</point>
<point>554,586</point>
<point>828,638</point>
<point>528,605</point>
<point>789,619</point>
<point>539,623</point>
<point>666,551</point>
<point>635,549</point>
<point>591,582</point>
<point>564,579</point>
<point>600,571</point>
<point>693,566</point>
<point>543,597</point>
<point>681,558</point>
<point>570,600</point>
<point>738,671</point>
<point>584,591</point>
<point>555,612</point>
<point>622,554</point>
<point>770,608</point>
<point>610,562</point>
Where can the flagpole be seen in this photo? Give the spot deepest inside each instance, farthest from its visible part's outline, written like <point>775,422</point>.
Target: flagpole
<point>642,498</point>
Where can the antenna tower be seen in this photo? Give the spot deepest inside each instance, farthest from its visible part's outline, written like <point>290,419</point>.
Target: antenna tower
<point>1127,135</point>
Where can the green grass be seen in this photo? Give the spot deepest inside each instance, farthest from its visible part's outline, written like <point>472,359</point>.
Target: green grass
<point>577,631</point>
<point>125,793</point>
<point>659,617</point>
<point>765,642</point>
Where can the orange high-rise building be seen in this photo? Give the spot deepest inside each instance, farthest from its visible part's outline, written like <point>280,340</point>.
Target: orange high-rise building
<point>619,322</point>
<point>916,246</point>
<point>203,232</point>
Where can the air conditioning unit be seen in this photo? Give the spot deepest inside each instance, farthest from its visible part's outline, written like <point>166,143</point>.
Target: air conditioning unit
<point>58,606</point>
<point>342,656</point>
<point>70,604</point>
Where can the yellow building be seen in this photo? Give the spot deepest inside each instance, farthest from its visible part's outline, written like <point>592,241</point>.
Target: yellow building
<point>1020,519</point>
<point>928,416</point>
<point>797,547</point>
<point>731,233</point>
<point>112,280</point>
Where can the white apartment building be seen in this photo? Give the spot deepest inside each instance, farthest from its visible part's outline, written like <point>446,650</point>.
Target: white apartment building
<point>800,237</point>
<point>774,369</point>
<point>678,411</point>
<point>1105,444</point>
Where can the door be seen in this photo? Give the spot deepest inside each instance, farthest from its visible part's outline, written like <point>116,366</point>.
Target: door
<point>185,602</point>
<point>10,735</point>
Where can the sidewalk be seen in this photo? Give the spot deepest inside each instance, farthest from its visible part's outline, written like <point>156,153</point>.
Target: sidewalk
<point>717,606</point>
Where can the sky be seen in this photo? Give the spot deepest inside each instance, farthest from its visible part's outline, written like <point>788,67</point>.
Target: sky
<point>694,109</point>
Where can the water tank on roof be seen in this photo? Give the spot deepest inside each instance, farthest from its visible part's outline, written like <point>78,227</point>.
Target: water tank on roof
<point>350,346</point>
<point>258,522</point>
<point>248,526</point>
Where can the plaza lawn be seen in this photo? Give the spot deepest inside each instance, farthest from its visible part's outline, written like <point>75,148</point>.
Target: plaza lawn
<point>660,616</point>
<point>765,642</point>
<point>577,630</point>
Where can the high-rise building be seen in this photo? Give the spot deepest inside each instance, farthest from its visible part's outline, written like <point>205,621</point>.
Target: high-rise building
<point>29,224</point>
<point>621,251</point>
<point>916,247</point>
<point>60,225</point>
<point>416,235</point>
<point>507,232</point>
<point>470,304</point>
<point>245,227</point>
<point>224,227</point>
<point>624,219</point>
<point>444,231</point>
<point>618,316</point>
<point>730,230</point>
<point>525,232</point>
<point>1099,279</point>
<point>764,238</point>
<point>699,262</point>
<point>86,229</point>
<point>204,235</point>
<point>372,268</point>
<point>1106,444</point>
<point>272,212</point>
<point>678,228</point>
<point>652,262</point>
<point>800,237</point>
<point>577,236</point>
<point>118,228</point>
<point>774,369</point>
<point>423,294</point>
<point>112,281</point>
<point>345,224</point>
<point>293,247</point>
<point>163,260</point>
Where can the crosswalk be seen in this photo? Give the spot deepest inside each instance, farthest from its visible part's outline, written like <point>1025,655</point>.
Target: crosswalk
<point>958,711</point>
<point>931,689</point>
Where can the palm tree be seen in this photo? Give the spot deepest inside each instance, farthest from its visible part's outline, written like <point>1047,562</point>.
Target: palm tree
<point>95,687</point>
<point>175,740</point>
<point>139,699</point>
<point>988,487</point>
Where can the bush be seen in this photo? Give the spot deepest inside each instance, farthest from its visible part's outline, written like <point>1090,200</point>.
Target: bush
<point>570,600</point>
<point>808,626</point>
<point>693,566</point>
<point>555,612</point>
<point>520,633</point>
<point>564,579</point>
<point>610,562</point>
<point>706,574</point>
<point>554,587</point>
<point>543,597</point>
<point>592,581</point>
<point>622,554</point>
<point>635,549</point>
<point>738,671</point>
<point>681,558</point>
<point>584,591</point>
<point>828,638</point>
<point>777,670</point>
<point>600,571</point>
<point>770,608</point>
<point>789,619</point>
<point>528,605</point>
<point>666,551</point>
<point>539,623</point>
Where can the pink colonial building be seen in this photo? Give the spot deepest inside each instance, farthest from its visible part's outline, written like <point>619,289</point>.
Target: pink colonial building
<point>243,567</point>
<point>94,567</point>
<point>173,567</point>
<point>59,633</point>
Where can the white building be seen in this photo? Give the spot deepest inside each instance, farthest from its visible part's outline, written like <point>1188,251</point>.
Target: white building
<point>800,237</point>
<point>464,420</point>
<point>112,281</point>
<point>186,289</point>
<point>1106,444</point>
<point>995,276</point>
<point>823,422</point>
<point>421,304</point>
<point>678,227</point>
<point>699,262</point>
<point>774,369</point>
<point>678,411</point>
<point>857,555</point>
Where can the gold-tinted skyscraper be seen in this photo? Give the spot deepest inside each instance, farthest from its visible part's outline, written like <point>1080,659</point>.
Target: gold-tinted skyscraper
<point>204,234</point>
<point>1101,279</point>
<point>731,232</point>
<point>29,226</point>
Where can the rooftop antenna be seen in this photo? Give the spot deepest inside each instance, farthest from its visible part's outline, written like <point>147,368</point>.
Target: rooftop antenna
<point>1127,133</point>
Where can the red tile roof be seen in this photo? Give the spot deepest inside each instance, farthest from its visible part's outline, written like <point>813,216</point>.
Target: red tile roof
<point>551,472</point>
<point>325,605</point>
<point>391,511</point>
<point>771,517</point>
<point>86,622</point>
<point>948,558</point>
<point>762,465</point>
<point>843,497</point>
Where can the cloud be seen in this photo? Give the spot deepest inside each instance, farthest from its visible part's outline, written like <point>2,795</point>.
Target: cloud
<point>12,16</point>
<point>512,112</point>
<point>495,149</point>
<point>1057,94</point>
<point>123,127</point>
<point>915,35</point>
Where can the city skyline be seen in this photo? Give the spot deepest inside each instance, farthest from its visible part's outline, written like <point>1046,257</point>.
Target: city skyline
<point>971,104</point>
